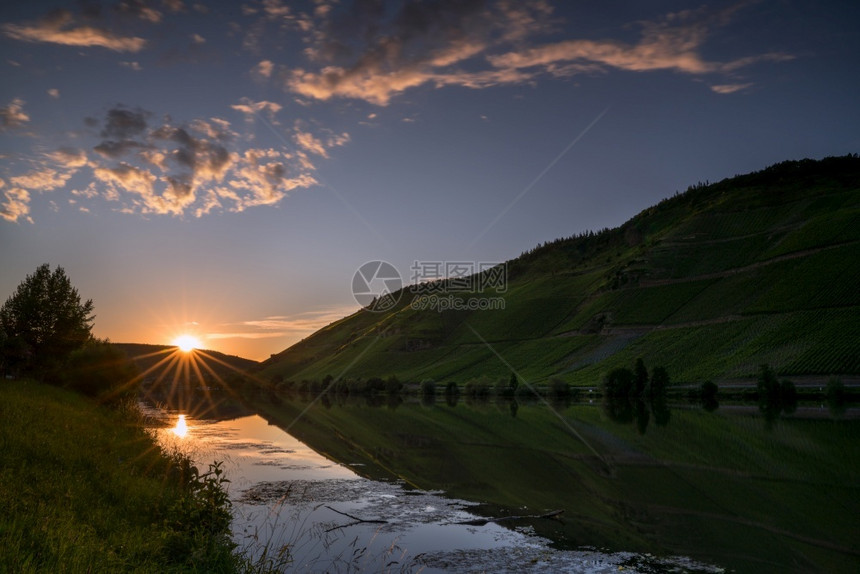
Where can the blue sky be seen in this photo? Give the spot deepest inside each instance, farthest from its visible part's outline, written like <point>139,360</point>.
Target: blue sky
<point>224,168</point>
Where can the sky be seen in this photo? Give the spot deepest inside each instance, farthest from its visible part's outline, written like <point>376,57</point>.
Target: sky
<point>222,169</point>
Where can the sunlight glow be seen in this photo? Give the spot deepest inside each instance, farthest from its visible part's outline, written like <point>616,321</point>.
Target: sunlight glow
<point>181,428</point>
<point>187,343</point>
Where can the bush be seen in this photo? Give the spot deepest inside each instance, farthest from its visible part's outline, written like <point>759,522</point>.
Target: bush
<point>374,384</point>
<point>100,370</point>
<point>478,387</point>
<point>393,385</point>
<point>451,389</point>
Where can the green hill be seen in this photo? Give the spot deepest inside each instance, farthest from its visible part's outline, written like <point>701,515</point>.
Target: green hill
<point>150,359</point>
<point>711,283</point>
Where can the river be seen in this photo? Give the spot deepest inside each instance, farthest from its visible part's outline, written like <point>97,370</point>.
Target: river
<point>385,485</point>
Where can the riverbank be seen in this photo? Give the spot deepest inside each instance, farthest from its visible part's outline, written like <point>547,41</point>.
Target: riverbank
<point>86,489</point>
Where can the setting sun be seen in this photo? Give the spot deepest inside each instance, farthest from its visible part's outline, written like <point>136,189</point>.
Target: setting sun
<point>187,343</point>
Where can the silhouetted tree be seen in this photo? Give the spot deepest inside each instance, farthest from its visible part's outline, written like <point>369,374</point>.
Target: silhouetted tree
<point>451,389</point>
<point>788,396</point>
<point>428,387</point>
<point>43,322</point>
<point>514,383</point>
<point>640,378</point>
<point>836,396</point>
<point>708,395</point>
<point>767,384</point>
<point>643,415</point>
<point>659,382</point>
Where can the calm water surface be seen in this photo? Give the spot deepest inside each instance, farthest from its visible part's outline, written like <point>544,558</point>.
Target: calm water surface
<point>353,485</point>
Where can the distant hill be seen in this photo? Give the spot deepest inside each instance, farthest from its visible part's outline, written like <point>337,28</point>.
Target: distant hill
<point>148,356</point>
<point>710,283</point>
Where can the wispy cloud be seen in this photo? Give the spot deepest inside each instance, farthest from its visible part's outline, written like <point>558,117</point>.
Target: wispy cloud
<point>283,325</point>
<point>480,45</point>
<point>241,335</point>
<point>672,43</point>
<point>12,115</point>
<point>61,28</point>
<point>730,88</point>
<point>251,108</point>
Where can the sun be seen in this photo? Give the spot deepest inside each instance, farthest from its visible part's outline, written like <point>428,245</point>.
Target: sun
<point>187,343</point>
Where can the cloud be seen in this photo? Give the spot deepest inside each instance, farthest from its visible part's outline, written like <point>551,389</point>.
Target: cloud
<point>373,54</point>
<point>672,43</point>
<point>13,115</point>
<point>124,123</point>
<point>147,167</point>
<point>283,325</point>
<point>175,5</point>
<point>264,69</point>
<point>251,108</point>
<point>68,157</point>
<point>132,65</point>
<point>307,141</point>
<point>139,9</point>
<point>729,88</point>
<point>191,168</point>
<point>198,39</point>
<point>311,143</point>
<point>16,205</point>
<point>59,28</point>
<point>54,93</point>
<point>267,335</point>
<point>265,176</point>
<point>45,179</point>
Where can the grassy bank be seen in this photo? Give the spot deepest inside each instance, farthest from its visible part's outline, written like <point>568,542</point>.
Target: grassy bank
<point>84,489</point>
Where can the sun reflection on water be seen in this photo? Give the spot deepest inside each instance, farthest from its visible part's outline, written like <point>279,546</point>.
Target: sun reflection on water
<point>181,428</point>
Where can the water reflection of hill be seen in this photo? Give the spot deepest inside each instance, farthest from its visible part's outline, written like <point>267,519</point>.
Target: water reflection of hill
<point>723,487</point>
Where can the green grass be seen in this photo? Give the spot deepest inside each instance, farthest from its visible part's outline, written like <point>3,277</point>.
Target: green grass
<point>84,489</point>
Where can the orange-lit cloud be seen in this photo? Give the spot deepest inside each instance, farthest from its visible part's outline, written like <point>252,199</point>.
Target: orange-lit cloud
<point>12,115</point>
<point>251,108</point>
<point>730,88</point>
<point>283,325</point>
<point>16,204</point>
<point>59,28</point>
<point>458,42</point>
